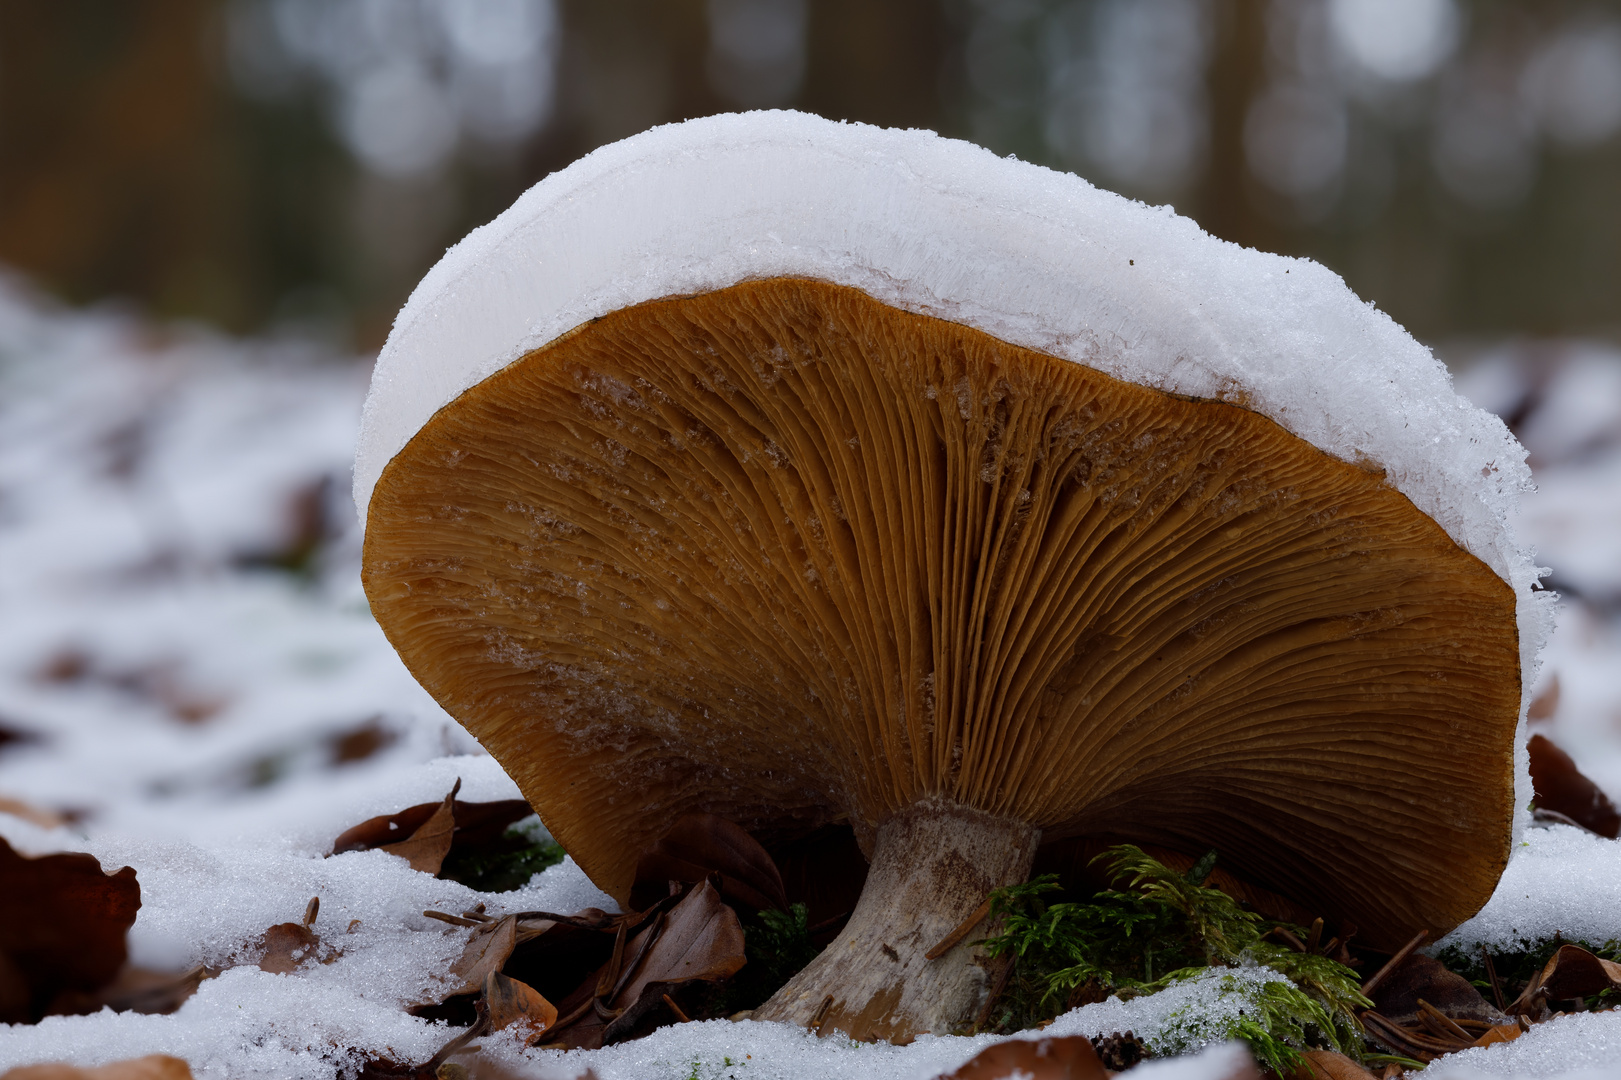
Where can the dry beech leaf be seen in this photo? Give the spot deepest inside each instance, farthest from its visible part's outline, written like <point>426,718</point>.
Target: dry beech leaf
<point>45,819</point>
<point>62,927</point>
<point>288,945</point>
<point>486,951</point>
<point>1068,1058</point>
<point>1499,1034</point>
<point>699,845</point>
<point>1572,972</point>
<point>517,1003</point>
<point>418,833</point>
<point>1561,787</point>
<point>1420,977</point>
<point>152,1067</point>
<point>426,848</point>
<point>699,940</point>
<point>1329,1065</point>
<point>1546,703</point>
<point>141,990</point>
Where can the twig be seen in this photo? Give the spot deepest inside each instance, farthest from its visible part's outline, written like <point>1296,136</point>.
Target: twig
<point>1445,1021</point>
<point>464,1038</point>
<point>1491,973</point>
<point>453,920</point>
<point>1390,965</point>
<point>998,986</point>
<point>948,942</point>
<point>680,1017</point>
<point>1290,940</point>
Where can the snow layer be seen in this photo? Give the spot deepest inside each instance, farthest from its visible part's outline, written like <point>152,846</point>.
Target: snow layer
<point>1561,881</point>
<point>1188,1018</point>
<point>1035,257</point>
<point>135,463</point>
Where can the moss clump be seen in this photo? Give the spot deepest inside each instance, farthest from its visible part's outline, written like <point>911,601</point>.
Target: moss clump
<point>777,944</point>
<point>1160,928</point>
<point>522,852</point>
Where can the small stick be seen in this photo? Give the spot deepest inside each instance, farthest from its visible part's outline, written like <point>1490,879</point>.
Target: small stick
<point>453,920</point>
<point>827,924</point>
<point>1390,965</point>
<point>616,963</point>
<point>997,987</point>
<point>1444,1020</point>
<point>1290,940</point>
<point>951,939</point>
<point>820,1014</point>
<point>681,1017</point>
<point>1315,938</point>
<point>1491,973</point>
<point>464,1038</point>
<point>575,1015</point>
<point>641,954</point>
<point>606,925</point>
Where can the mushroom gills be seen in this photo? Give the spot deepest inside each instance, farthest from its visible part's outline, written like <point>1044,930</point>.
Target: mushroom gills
<point>786,554</point>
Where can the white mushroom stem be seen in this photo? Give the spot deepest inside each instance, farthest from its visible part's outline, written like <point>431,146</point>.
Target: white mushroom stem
<point>932,866</point>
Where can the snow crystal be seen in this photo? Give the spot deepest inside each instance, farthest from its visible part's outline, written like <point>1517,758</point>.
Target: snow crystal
<point>1577,1046</point>
<point>1190,1016</point>
<point>244,1025</point>
<point>1561,881</point>
<point>1032,256</point>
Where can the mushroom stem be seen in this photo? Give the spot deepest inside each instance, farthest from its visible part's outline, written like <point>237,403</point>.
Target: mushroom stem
<point>933,864</point>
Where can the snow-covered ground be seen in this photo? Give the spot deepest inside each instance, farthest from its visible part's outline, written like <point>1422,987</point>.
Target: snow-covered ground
<point>214,720</point>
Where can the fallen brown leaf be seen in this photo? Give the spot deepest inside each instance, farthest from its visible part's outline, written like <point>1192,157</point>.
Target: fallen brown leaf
<point>1561,788</point>
<point>699,939</point>
<point>485,952</point>
<point>1329,1065</point>
<point>152,1067</point>
<point>699,845</point>
<point>417,833</point>
<point>426,848</point>
<point>1498,1033</point>
<point>1423,978</point>
<point>286,946</point>
<point>1546,703</point>
<point>152,992</point>
<point>45,819</point>
<point>513,1003</point>
<point>62,928</point>
<point>1068,1058</point>
<point>1572,972</point>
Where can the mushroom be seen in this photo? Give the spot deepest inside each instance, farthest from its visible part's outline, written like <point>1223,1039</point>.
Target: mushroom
<point>800,472</point>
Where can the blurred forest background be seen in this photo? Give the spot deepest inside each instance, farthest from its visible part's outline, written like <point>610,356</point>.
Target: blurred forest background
<point>292,167</point>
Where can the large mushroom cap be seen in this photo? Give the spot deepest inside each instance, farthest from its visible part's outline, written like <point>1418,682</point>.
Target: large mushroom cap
<point>748,467</point>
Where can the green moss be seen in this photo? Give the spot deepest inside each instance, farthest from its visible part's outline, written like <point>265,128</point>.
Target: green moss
<point>522,853</point>
<point>777,945</point>
<point>1163,927</point>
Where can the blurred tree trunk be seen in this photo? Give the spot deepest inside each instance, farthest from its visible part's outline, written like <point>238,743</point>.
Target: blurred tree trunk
<point>1224,204</point>
<point>113,179</point>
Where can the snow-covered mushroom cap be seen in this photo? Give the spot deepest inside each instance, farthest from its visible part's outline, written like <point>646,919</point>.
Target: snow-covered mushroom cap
<point>798,471</point>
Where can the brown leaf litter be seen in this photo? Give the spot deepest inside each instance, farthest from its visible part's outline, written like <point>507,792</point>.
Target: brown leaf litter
<point>62,927</point>
<point>151,1067</point>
